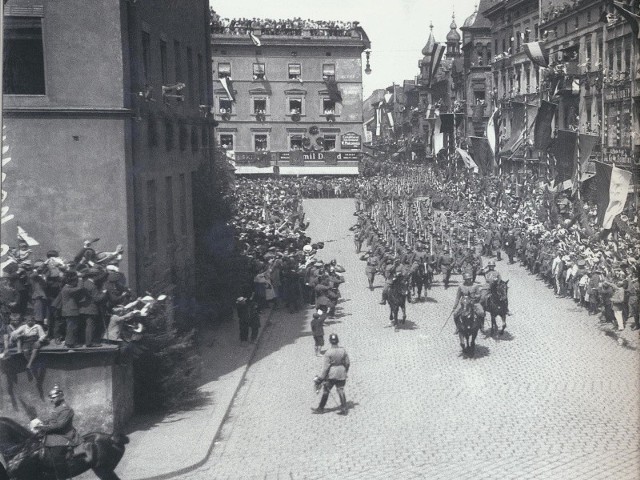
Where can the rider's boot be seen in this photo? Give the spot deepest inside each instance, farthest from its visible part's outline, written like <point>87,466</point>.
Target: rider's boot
<point>383,301</point>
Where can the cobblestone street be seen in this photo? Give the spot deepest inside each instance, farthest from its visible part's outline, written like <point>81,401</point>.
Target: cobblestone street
<point>555,397</point>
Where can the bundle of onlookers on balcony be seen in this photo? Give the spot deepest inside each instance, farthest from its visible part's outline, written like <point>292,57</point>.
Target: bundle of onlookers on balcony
<point>290,26</point>
<point>82,302</point>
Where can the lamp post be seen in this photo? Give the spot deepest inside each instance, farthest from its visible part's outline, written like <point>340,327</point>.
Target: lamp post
<point>367,68</point>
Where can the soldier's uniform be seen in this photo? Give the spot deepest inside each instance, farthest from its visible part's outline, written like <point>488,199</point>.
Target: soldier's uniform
<point>473,292</point>
<point>445,265</point>
<point>371,269</point>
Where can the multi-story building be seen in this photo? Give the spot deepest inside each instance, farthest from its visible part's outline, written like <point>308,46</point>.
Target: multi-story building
<point>106,122</point>
<point>296,101</point>
<point>477,48</point>
<point>515,78</point>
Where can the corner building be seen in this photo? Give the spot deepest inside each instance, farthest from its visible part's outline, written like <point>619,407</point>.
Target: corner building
<point>97,150</point>
<point>297,106</point>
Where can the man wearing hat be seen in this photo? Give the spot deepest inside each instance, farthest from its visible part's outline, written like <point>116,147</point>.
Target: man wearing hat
<point>445,266</point>
<point>248,319</point>
<point>67,303</point>
<point>334,374</point>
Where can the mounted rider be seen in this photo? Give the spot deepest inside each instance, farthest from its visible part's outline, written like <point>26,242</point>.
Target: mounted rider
<point>491,276</point>
<point>467,289</point>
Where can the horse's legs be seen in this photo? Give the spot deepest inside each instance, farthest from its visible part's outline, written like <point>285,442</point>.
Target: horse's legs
<point>404,312</point>
<point>504,322</point>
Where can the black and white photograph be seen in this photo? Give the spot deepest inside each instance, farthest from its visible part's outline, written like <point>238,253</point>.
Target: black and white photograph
<point>322,239</point>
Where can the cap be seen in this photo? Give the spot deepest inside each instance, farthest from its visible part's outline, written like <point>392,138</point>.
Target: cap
<point>333,339</point>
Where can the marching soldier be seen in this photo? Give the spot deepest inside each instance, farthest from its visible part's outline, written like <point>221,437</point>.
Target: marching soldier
<point>445,265</point>
<point>372,267</point>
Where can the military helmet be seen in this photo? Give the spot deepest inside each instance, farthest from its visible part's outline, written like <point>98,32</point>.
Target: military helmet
<point>333,339</point>
<point>467,276</point>
<point>491,263</point>
<point>56,392</point>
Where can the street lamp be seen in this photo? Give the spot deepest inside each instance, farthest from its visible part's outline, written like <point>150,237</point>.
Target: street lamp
<point>367,68</point>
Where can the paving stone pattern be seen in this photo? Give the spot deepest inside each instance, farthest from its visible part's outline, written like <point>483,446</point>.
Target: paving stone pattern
<point>554,398</point>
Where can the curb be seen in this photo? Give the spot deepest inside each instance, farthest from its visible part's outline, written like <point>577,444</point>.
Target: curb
<point>198,464</point>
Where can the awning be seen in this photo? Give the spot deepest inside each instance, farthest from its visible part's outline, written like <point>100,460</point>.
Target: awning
<point>301,170</point>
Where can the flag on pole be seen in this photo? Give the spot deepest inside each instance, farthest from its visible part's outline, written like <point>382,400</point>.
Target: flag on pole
<point>517,127</point>
<point>228,87</point>
<point>542,129</point>
<point>586,143</point>
<point>438,136</point>
<point>537,53</point>
<point>26,238</point>
<point>613,188</point>
<point>256,41</point>
<point>378,120</point>
<point>468,161</point>
<point>390,117</point>
<point>564,150</point>
<point>492,134</point>
<point>436,57</point>
<point>334,92</point>
<point>482,153</point>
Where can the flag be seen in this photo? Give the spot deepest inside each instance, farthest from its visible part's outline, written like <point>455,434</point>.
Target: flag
<point>482,153</point>
<point>378,120</point>
<point>334,92</point>
<point>492,133</point>
<point>632,18</point>
<point>390,117</point>
<point>517,127</point>
<point>26,238</point>
<point>468,161</point>
<point>586,143</point>
<point>542,129</point>
<point>447,122</point>
<point>256,41</point>
<point>537,53</point>
<point>228,87</point>
<point>564,149</point>
<point>613,187</point>
<point>436,57</point>
<point>438,136</point>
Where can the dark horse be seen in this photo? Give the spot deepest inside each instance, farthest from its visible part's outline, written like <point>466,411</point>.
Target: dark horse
<point>397,298</point>
<point>468,324</point>
<point>22,449</point>
<point>497,304</point>
<point>421,277</point>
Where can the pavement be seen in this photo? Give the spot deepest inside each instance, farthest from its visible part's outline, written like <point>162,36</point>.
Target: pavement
<point>169,446</point>
<point>557,396</point>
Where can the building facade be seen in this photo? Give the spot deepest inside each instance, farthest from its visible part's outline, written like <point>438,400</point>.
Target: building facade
<point>106,120</point>
<point>296,98</point>
<point>516,79</point>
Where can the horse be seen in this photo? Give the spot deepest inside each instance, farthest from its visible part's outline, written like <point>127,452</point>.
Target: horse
<point>23,456</point>
<point>397,297</point>
<point>496,304</point>
<point>468,325</point>
<point>421,277</point>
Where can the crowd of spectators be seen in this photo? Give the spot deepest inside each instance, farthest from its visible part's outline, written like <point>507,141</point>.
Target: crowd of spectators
<point>82,302</point>
<point>551,233</point>
<point>291,26</point>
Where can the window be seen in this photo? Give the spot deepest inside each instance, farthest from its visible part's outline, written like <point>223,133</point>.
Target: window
<point>183,204</point>
<point>479,96</point>
<point>164,70</point>
<point>588,16</point>
<point>260,143</point>
<point>495,47</point>
<point>226,141</point>
<point>169,206</point>
<point>195,144</point>
<point>295,106</point>
<point>152,225</point>
<point>329,71</point>
<point>146,52</point>
<point>178,60</point>
<point>168,135</point>
<point>329,143</point>
<point>204,137</point>
<point>258,71</point>
<point>627,59</point>
<point>589,60</point>
<point>576,21</point>
<point>527,78</point>
<point>201,92</point>
<point>23,56</point>
<point>152,132</point>
<point>224,70</point>
<point>295,142</point>
<point>183,135</point>
<point>295,71</point>
<point>518,38</point>
<point>260,105</point>
<point>226,106</point>
<point>619,58</point>
<point>536,32</point>
<point>328,106</point>
<point>190,77</point>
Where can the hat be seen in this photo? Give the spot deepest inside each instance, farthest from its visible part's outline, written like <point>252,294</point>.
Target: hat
<point>315,315</point>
